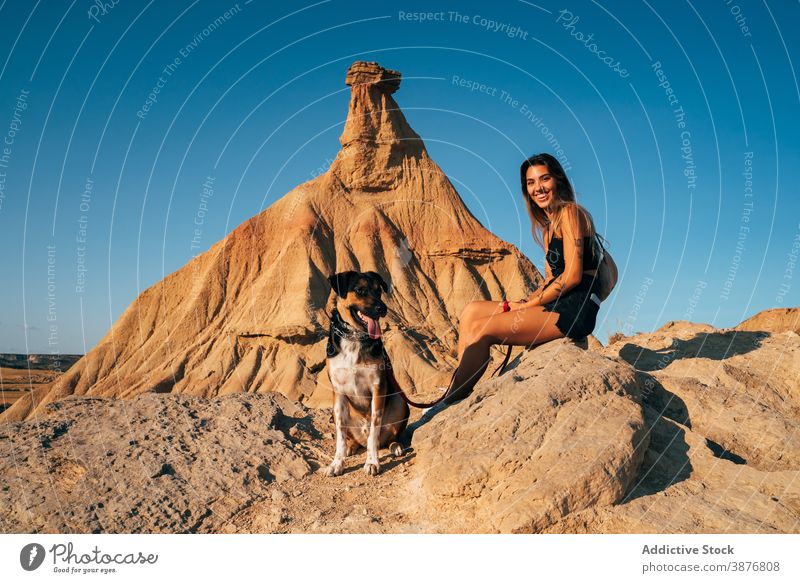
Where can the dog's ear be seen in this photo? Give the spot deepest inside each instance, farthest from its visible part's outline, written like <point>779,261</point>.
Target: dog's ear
<point>341,282</point>
<point>379,279</point>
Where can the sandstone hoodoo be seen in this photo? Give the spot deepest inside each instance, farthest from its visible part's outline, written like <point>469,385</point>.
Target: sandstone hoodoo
<point>249,315</point>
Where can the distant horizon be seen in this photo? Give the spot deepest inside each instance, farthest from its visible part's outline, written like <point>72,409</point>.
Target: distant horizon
<point>132,139</point>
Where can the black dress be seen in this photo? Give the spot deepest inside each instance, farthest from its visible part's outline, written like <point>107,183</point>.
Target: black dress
<point>577,308</point>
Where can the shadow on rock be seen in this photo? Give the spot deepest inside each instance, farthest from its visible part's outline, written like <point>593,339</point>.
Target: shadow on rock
<point>724,454</point>
<point>715,345</point>
<point>662,401</point>
<point>666,461</point>
<point>296,428</point>
<point>408,435</point>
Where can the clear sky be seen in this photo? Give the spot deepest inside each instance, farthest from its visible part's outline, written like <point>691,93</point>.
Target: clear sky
<point>676,120</point>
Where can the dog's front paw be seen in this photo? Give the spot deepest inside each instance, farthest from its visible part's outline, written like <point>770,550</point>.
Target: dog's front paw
<point>372,468</point>
<point>335,469</point>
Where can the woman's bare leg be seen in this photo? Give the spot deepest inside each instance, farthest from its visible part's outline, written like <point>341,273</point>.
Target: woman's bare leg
<point>524,327</point>
<point>477,310</point>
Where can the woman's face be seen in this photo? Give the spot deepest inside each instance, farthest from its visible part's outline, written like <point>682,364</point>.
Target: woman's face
<point>541,185</point>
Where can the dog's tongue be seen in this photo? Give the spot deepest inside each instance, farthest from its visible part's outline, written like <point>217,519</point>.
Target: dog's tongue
<point>373,329</point>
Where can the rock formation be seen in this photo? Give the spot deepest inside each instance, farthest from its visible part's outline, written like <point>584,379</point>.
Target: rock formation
<point>723,412</point>
<point>659,433</point>
<point>249,315</point>
<point>775,320</point>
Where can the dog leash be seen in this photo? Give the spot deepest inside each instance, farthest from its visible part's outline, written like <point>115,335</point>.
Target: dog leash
<point>499,370</point>
<point>395,386</point>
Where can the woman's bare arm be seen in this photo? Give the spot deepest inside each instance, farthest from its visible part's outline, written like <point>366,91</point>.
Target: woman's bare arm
<point>529,301</point>
<point>573,231</point>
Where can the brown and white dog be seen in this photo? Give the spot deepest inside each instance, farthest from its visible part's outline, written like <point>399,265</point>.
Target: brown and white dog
<point>365,411</point>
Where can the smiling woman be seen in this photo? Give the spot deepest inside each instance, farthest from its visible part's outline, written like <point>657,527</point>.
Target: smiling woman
<point>573,251</point>
<point>568,301</point>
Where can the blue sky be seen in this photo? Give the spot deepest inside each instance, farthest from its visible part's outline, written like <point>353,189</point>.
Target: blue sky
<point>677,120</point>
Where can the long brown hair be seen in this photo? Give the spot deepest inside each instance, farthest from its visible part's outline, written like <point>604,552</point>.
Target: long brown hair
<point>564,195</point>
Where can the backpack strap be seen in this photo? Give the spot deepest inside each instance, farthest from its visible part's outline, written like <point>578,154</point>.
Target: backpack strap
<point>602,252</point>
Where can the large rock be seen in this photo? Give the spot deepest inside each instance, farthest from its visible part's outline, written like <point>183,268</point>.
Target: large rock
<point>562,432</point>
<point>738,388</point>
<point>774,320</point>
<point>683,487</point>
<point>722,409</point>
<point>250,314</point>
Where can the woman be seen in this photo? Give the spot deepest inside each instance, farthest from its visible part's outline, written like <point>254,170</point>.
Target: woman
<point>565,305</point>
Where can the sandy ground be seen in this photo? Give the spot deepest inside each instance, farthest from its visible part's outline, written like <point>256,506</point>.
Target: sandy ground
<point>15,382</point>
<point>170,463</point>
